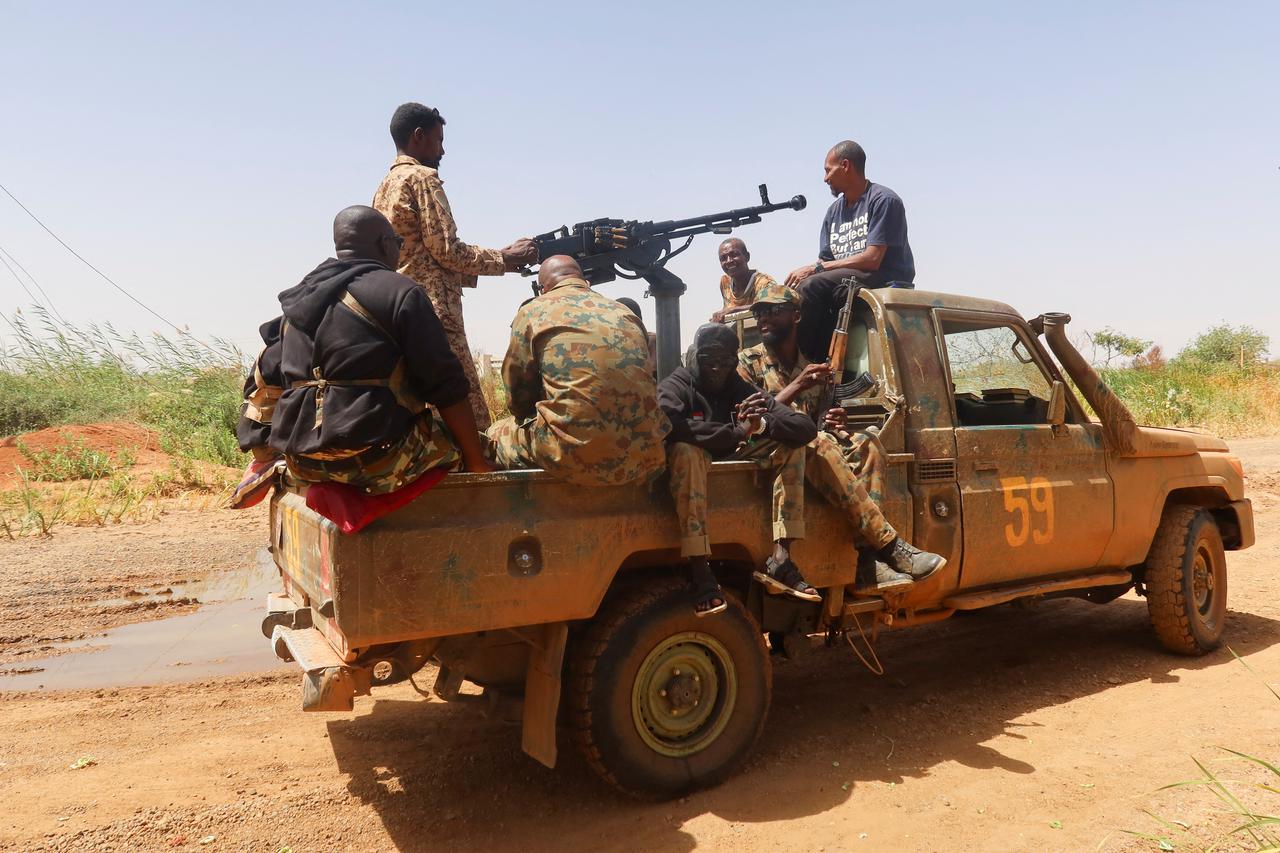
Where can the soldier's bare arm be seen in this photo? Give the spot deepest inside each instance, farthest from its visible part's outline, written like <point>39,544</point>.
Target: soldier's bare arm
<point>462,423</point>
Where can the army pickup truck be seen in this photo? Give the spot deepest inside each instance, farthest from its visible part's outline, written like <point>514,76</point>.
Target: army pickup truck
<point>561,606</point>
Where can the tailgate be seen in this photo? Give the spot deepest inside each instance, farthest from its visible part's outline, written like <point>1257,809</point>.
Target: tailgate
<point>302,543</point>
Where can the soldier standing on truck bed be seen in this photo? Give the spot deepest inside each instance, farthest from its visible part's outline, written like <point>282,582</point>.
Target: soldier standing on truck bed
<point>342,385</point>
<point>412,197</point>
<point>580,387</point>
<point>778,366</point>
<point>739,283</point>
<point>863,236</point>
<point>716,414</point>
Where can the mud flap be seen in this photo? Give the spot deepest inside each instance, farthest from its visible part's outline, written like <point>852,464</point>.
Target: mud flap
<point>334,688</point>
<point>542,691</point>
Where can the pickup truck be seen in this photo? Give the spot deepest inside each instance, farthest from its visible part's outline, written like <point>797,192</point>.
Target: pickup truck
<point>565,605</point>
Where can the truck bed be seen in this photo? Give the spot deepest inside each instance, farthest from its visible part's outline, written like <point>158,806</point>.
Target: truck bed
<point>515,548</point>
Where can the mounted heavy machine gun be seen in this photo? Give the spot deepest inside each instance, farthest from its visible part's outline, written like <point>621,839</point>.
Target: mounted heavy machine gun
<point>608,249</point>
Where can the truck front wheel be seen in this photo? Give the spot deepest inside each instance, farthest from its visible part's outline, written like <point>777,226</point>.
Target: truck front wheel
<point>663,702</point>
<point>1186,581</point>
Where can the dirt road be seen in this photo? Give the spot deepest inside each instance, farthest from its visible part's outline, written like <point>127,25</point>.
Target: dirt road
<point>1048,728</point>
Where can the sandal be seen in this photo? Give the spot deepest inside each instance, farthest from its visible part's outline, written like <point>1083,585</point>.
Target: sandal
<point>785,579</point>
<point>706,592</point>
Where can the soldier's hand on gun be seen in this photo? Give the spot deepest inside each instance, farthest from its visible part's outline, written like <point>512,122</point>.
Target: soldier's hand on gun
<point>814,374</point>
<point>834,419</point>
<point>520,253</point>
<point>799,274</point>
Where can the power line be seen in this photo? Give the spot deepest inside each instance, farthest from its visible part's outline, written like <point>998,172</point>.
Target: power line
<point>6,253</point>
<point>20,282</point>
<point>103,275</point>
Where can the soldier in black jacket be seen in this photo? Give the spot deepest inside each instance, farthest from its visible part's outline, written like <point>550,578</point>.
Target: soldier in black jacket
<point>715,415</point>
<point>343,385</point>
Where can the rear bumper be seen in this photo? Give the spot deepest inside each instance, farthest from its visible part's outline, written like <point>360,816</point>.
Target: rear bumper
<point>1243,511</point>
<point>328,683</point>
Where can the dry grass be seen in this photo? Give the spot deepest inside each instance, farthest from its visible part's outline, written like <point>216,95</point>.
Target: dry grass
<point>1226,400</point>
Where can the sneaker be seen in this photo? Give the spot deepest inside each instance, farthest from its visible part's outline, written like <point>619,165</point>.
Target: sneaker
<point>876,576</point>
<point>909,560</point>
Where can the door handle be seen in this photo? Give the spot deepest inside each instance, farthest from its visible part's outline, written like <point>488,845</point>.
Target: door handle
<point>985,465</point>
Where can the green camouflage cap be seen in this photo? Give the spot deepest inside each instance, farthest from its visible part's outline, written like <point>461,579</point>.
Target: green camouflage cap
<point>776,294</point>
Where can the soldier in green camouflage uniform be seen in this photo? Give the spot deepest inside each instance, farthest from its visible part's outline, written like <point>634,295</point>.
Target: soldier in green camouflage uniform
<point>777,365</point>
<point>579,386</point>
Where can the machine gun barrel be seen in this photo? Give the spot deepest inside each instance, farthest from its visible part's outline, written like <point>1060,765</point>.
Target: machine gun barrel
<point>729,219</point>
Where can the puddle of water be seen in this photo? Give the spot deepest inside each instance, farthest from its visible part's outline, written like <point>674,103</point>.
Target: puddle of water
<point>218,639</point>
<point>262,576</point>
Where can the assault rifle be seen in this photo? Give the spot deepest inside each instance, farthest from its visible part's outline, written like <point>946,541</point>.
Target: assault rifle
<point>608,249</point>
<point>837,389</point>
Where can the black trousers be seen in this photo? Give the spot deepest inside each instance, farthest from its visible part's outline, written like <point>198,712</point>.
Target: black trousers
<point>821,297</point>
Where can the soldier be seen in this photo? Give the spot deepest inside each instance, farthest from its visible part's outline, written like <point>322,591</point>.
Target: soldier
<point>579,385</point>
<point>716,414</point>
<point>739,283</point>
<point>779,367</point>
<point>863,236</point>
<point>342,387</point>
<point>412,197</point>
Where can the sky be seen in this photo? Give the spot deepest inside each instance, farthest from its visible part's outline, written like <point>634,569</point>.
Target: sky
<point>1117,161</point>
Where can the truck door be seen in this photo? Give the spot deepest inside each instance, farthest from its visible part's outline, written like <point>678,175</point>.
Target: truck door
<point>1036,499</point>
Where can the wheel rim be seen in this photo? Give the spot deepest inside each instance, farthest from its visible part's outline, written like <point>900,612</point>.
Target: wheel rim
<point>1204,582</point>
<point>683,694</point>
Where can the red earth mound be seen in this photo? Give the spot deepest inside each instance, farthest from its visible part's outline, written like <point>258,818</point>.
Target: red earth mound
<point>110,437</point>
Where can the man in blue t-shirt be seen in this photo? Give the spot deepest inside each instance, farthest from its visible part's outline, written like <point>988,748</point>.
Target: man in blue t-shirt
<point>864,236</point>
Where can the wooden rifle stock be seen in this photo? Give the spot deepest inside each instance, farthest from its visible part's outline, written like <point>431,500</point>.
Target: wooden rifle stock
<point>839,348</point>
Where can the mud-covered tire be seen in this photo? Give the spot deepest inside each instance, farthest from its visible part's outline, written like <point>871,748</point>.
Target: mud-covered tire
<point>1186,581</point>
<point>648,643</point>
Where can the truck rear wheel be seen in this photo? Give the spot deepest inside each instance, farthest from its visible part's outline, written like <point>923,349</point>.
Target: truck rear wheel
<point>663,702</point>
<point>1186,581</point>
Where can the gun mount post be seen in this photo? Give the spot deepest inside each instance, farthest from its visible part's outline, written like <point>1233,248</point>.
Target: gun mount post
<point>666,288</point>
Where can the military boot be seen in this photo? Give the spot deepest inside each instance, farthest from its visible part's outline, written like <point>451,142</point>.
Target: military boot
<point>875,576</point>
<point>903,557</point>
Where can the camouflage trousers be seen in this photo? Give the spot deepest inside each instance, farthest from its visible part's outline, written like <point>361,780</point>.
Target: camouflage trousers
<point>384,467</point>
<point>821,462</point>
<point>688,466</point>
<point>865,457</point>
<point>448,305</point>
<point>511,444</point>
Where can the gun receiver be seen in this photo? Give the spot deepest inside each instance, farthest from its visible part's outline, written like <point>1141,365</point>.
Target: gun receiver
<point>608,249</point>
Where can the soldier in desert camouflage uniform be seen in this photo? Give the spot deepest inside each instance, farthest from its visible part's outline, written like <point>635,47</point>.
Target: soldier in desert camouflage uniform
<point>412,197</point>
<point>777,365</point>
<point>579,386</point>
<point>716,414</point>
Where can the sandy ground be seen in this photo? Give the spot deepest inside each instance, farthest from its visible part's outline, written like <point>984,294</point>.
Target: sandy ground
<point>1048,728</point>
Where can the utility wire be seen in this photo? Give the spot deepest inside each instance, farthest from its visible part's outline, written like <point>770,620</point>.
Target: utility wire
<point>21,283</point>
<point>104,276</point>
<point>6,253</point>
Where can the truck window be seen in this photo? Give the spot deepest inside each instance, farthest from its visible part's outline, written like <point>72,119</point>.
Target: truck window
<point>857,354</point>
<point>994,375</point>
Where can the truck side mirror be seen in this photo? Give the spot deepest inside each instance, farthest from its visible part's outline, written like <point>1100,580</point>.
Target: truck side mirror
<point>1058,403</point>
